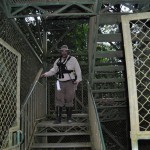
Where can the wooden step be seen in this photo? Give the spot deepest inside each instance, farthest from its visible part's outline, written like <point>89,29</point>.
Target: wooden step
<point>62,134</point>
<point>61,145</point>
<point>62,124</point>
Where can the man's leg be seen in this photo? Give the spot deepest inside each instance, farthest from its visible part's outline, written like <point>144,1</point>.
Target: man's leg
<point>59,103</point>
<point>69,114</point>
<point>69,96</point>
<point>58,115</point>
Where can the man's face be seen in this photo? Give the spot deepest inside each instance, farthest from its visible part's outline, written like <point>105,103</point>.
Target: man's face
<point>64,53</point>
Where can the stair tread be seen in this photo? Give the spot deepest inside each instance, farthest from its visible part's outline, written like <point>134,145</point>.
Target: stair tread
<point>51,124</point>
<point>110,99</point>
<point>61,145</point>
<point>104,107</point>
<point>73,115</point>
<point>109,90</point>
<point>109,68</point>
<point>115,37</point>
<point>61,133</point>
<point>109,54</point>
<point>104,80</point>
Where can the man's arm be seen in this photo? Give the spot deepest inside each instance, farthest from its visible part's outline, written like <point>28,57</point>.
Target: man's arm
<point>78,72</point>
<point>52,71</point>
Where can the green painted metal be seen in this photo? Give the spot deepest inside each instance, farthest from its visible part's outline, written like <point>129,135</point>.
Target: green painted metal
<point>95,125</point>
<point>19,30</point>
<point>88,8</point>
<point>10,95</point>
<point>138,75</point>
<point>83,8</point>
<point>33,37</point>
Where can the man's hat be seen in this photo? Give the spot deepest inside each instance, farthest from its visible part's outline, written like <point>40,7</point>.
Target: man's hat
<point>64,47</point>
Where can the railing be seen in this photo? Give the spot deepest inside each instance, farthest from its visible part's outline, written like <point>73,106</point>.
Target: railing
<point>136,39</point>
<point>95,126</point>
<point>33,110</point>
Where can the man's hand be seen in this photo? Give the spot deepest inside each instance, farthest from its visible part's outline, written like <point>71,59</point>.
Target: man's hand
<point>43,75</point>
<point>76,82</point>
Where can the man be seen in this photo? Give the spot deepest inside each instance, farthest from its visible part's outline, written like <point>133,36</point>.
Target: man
<point>68,77</point>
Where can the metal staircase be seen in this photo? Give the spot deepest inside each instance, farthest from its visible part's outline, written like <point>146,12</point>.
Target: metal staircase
<point>108,80</point>
<point>75,135</point>
<point>24,124</point>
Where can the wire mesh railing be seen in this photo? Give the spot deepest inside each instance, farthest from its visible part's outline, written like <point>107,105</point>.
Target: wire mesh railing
<point>10,61</point>
<point>137,50</point>
<point>33,110</point>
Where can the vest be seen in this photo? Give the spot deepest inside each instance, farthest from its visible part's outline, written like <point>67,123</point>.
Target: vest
<point>62,67</point>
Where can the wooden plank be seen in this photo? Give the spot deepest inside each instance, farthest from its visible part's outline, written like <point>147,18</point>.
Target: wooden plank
<point>61,145</point>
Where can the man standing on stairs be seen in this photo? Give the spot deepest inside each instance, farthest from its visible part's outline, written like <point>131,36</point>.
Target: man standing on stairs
<point>68,73</point>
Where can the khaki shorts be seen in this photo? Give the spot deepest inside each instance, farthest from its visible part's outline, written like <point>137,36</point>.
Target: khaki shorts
<point>66,95</point>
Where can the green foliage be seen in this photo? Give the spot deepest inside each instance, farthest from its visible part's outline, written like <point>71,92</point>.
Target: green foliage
<point>79,38</point>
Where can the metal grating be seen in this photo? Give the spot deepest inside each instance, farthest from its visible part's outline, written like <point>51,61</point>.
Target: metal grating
<point>9,97</point>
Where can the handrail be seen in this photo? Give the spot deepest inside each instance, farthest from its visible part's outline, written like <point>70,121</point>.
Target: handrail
<point>32,88</point>
<point>33,110</point>
<point>96,131</point>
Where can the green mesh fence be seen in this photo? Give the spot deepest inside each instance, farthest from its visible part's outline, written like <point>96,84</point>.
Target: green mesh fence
<point>8,62</point>
<point>30,64</point>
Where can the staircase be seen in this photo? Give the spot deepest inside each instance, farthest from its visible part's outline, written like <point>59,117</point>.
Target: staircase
<point>109,82</point>
<point>67,136</point>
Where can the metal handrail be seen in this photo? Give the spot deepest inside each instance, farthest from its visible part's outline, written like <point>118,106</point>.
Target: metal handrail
<point>32,88</point>
<point>30,114</point>
<point>95,125</point>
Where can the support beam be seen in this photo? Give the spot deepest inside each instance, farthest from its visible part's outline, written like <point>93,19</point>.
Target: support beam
<point>19,30</point>
<point>45,44</point>
<point>46,9</point>
<point>33,37</point>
